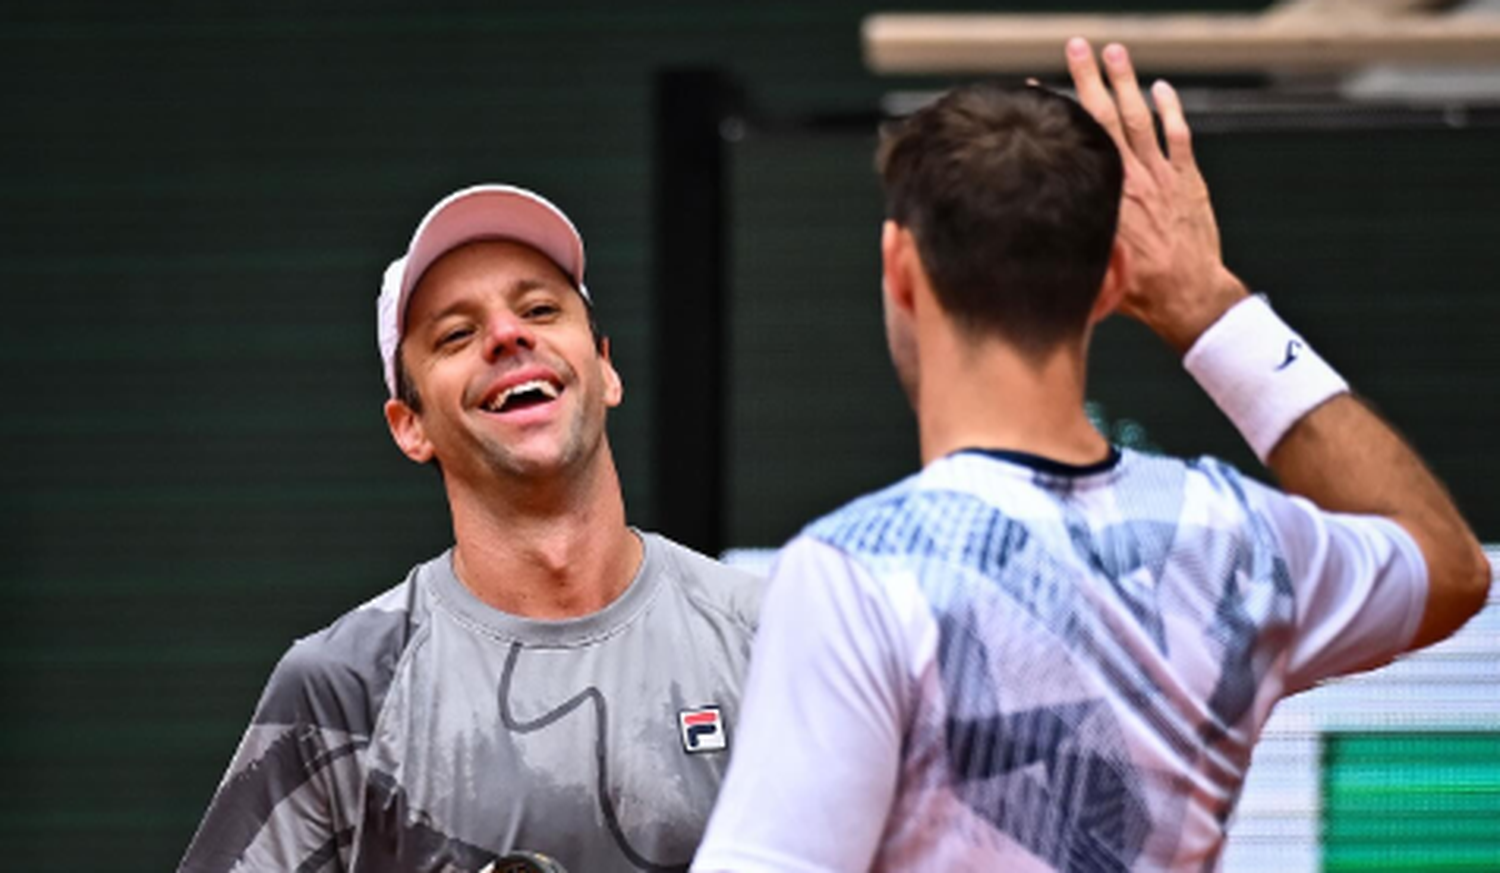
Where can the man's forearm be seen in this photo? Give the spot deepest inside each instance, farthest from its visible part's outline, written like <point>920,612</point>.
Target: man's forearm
<point>1345,458</point>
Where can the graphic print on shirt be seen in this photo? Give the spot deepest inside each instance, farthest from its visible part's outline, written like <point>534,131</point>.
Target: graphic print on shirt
<point>600,709</point>
<point>378,743</point>
<point>1034,664</point>
<point>1030,747</point>
<point>1256,594</point>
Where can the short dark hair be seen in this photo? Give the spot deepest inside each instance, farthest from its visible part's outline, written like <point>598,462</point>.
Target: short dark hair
<point>1012,196</point>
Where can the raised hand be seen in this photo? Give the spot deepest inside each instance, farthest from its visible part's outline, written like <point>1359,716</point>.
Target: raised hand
<point>1176,282</point>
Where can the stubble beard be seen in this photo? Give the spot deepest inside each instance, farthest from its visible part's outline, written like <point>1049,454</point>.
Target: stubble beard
<point>578,442</point>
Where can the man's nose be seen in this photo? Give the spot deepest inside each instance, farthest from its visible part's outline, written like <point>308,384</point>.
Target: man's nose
<point>506,335</point>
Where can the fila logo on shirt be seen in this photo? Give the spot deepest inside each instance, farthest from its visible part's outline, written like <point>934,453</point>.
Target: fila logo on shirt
<point>702,730</point>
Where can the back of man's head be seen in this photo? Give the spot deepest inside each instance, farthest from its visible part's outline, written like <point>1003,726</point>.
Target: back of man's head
<point>1013,197</point>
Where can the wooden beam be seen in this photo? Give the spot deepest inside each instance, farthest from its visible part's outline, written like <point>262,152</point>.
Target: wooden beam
<point>1292,9</point>
<point>1290,37</point>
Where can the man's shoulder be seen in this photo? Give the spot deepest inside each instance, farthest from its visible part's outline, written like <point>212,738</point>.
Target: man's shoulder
<point>1219,474</point>
<point>328,676</point>
<point>1218,494</point>
<point>730,590</point>
<point>884,520</point>
<point>951,496</point>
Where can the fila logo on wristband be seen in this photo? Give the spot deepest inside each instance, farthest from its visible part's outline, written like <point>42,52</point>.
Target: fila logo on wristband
<point>1229,358</point>
<point>1292,347</point>
<point>702,730</point>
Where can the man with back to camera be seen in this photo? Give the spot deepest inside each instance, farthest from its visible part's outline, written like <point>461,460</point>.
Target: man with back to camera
<point>558,681</point>
<point>1043,653</point>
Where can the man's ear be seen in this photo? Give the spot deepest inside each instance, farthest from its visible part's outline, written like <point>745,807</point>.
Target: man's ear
<point>898,257</point>
<point>614,386</point>
<point>407,431</point>
<point>1112,289</point>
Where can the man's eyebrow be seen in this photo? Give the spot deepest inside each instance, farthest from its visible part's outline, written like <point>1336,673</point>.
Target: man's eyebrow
<point>449,310</point>
<point>521,286</point>
<point>515,289</point>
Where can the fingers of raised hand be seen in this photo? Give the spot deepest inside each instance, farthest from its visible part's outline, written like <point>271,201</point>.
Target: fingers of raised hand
<point>1092,92</point>
<point>1139,126</point>
<point>1174,127</point>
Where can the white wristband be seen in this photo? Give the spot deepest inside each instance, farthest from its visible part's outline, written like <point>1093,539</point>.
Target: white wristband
<point>1261,373</point>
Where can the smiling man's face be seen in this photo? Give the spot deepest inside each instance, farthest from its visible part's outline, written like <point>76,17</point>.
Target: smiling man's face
<point>499,348</point>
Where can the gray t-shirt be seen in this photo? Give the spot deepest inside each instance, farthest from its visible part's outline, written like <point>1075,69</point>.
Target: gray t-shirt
<point>427,731</point>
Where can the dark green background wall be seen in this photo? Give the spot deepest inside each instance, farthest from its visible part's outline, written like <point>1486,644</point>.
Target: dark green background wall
<point>1377,243</point>
<point>196,202</point>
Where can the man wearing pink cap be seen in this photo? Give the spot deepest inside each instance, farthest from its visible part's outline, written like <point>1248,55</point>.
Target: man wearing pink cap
<point>556,682</point>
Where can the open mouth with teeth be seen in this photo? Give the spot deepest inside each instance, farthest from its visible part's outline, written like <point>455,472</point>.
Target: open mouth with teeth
<point>523,396</point>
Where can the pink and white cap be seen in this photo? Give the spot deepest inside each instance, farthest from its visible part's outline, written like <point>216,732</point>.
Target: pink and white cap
<point>474,213</point>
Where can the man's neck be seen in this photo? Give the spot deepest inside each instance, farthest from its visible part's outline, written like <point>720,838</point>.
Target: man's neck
<point>547,551</point>
<point>986,394</point>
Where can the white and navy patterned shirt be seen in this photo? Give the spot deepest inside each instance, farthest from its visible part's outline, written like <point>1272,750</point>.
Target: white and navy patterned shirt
<point>1005,663</point>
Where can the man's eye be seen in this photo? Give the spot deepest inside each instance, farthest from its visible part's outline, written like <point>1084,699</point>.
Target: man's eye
<point>455,335</point>
<point>543,310</point>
